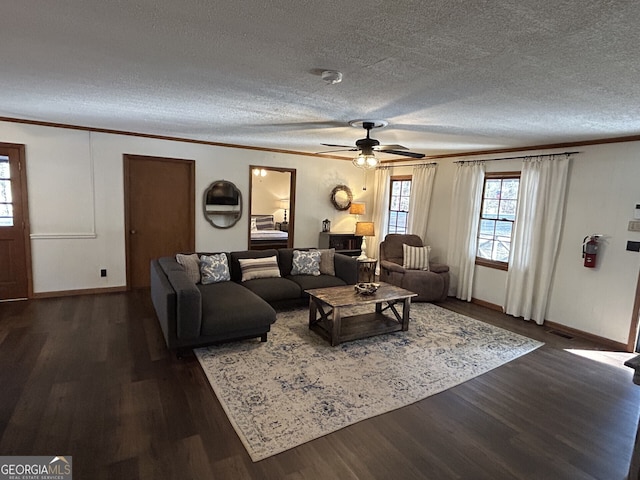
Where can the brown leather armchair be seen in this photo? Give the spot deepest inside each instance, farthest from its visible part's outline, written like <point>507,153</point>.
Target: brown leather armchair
<point>431,285</point>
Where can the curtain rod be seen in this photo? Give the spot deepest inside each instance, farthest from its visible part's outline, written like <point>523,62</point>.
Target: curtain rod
<point>515,158</point>
<point>406,164</point>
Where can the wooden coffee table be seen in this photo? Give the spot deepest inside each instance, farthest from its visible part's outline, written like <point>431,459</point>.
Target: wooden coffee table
<point>326,304</point>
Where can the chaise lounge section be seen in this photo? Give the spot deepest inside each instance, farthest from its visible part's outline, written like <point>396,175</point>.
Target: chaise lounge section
<point>193,314</point>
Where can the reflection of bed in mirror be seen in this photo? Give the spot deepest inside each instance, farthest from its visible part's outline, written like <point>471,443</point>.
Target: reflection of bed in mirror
<point>264,233</point>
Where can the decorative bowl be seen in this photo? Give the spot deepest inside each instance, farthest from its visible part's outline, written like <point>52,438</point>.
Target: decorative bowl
<point>366,288</point>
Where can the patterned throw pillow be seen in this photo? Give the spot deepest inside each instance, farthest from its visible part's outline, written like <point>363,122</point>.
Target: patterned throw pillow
<point>306,263</point>
<point>191,264</point>
<point>214,268</point>
<point>415,258</point>
<point>253,268</point>
<point>327,266</point>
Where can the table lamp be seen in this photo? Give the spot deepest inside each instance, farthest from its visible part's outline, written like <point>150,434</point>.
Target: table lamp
<point>365,229</point>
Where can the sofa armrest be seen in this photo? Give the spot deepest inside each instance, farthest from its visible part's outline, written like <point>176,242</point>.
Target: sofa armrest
<point>438,267</point>
<point>346,268</point>
<point>163,297</point>
<point>188,305</point>
<point>391,267</point>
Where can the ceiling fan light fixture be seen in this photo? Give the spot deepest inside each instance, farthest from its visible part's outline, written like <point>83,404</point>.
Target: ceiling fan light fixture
<point>366,161</point>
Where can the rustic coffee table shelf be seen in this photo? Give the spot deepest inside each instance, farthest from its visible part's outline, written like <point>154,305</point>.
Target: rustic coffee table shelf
<point>330,324</point>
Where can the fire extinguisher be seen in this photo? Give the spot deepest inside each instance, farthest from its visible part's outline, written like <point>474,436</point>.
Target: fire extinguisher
<point>590,250</point>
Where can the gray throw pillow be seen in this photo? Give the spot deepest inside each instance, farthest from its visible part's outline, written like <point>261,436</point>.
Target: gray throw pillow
<point>214,268</point>
<point>306,263</point>
<point>327,266</point>
<point>191,264</point>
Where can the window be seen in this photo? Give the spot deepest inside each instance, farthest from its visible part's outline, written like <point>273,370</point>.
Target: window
<point>6,203</point>
<point>498,214</point>
<point>399,204</point>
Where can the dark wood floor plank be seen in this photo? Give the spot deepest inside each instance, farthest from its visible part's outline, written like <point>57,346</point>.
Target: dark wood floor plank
<point>90,376</point>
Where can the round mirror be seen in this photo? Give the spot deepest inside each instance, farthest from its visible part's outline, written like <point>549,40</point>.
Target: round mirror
<point>341,197</point>
<point>222,204</point>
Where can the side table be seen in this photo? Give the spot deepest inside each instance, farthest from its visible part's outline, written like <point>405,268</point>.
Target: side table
<point>367,270</point>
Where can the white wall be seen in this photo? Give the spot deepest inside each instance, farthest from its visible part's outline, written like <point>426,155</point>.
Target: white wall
<point>76,203</point>
<point>76,208</point>
<point>604,186</point>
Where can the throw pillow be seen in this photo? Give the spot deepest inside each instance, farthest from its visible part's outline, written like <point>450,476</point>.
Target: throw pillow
<point>265,223</point>
<point>254,227</point>
<point>214,268</point>
<point>306,263</point>
<point>327,257</point>
<point>191,264</point>
<point>415,258</point>
<point>253,268</point>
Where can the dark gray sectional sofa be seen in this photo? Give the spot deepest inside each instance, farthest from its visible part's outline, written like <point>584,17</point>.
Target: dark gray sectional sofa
<point>193,315</point>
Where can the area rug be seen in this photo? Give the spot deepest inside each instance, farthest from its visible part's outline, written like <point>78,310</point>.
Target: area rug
<point>296,387</point>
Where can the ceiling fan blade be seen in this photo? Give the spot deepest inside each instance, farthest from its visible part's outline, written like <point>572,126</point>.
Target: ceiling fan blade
<point>406,154</point>
<point>384,148</point>
<point>334,145</point>
<point>341,150</point>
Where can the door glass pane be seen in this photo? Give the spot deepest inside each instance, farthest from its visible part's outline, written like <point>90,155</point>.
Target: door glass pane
<point>6,209</point>
<point>5,191</point>
<point>4,167</point>
<point>6,215</point>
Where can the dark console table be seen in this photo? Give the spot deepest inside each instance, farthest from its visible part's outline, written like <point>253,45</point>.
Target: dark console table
<point>345,243</point>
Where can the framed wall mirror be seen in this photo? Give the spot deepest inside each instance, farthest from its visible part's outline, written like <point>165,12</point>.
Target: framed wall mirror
<point>272,207</point>
<point>222,204</point>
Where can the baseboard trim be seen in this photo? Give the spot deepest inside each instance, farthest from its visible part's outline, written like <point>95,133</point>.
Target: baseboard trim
<point>490,306</point>
<point>574,332</point>
<point>612,344</point>
<point>86,291</point>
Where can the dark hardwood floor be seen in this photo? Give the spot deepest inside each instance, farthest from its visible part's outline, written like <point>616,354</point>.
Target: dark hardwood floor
<point>90,376</point>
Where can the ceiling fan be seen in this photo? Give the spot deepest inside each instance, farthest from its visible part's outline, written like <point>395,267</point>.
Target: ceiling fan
<point>367,146</point>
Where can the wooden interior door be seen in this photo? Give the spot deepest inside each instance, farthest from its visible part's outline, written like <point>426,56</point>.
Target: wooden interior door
<point>15,251</point>
<point>159,212</point>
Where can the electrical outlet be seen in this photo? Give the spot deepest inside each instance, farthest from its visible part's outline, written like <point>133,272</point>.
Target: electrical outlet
<point>103,272</point>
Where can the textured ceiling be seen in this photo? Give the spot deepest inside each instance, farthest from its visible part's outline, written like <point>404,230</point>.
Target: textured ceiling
<point>448,76</point>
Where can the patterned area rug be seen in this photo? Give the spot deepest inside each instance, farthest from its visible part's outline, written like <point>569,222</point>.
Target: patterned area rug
<point>296,387</point>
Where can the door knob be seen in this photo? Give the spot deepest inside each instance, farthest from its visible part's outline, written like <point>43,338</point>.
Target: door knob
<point>133,232</point>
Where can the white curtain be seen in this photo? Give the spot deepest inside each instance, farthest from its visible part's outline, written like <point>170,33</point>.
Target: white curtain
<point>420,200</point>
<point>466,201</point>
<point>382,181</point>
<point>536,236</point>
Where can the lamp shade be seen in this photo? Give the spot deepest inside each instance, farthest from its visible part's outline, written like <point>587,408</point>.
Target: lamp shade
<point>284,203</point>
<point>365,229</point>
<point>356,209</point>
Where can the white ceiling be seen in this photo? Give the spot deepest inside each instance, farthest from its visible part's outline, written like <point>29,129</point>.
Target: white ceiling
<point>448,75</point>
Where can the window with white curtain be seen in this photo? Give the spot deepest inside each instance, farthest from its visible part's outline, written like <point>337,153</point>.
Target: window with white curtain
<point>497,218</point>
<point>399,204</point>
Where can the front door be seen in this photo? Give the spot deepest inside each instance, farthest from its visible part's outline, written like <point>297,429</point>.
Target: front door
<point>159,212</point>
<point>14,224</point>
